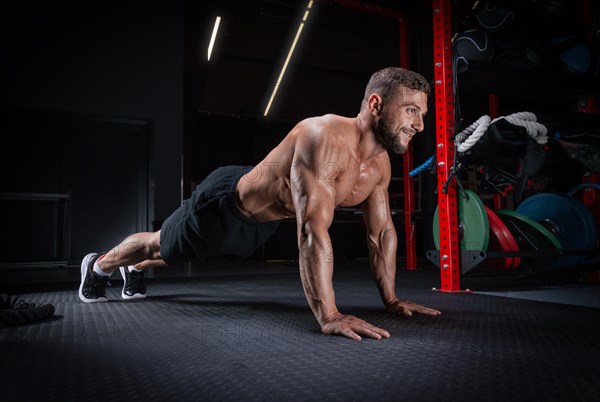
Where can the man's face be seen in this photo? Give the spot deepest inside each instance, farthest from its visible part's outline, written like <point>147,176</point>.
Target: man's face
<point>400,119</point>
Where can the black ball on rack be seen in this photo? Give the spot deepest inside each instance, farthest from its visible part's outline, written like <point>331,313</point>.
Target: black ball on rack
<point>473,45</point>
<point>575,57</point>
<point>494,18</point>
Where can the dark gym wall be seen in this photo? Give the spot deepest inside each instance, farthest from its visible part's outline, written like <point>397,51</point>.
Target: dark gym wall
<point>107,58</point>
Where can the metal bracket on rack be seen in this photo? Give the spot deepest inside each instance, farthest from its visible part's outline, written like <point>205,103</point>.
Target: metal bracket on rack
<point>469,259</point>
<point>455,174</point>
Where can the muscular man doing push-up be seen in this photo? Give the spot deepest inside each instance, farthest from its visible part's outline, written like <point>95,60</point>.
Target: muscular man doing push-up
<point>322,163</point>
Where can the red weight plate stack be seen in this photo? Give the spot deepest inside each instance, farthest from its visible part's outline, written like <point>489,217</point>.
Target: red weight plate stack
<point>501,240</point>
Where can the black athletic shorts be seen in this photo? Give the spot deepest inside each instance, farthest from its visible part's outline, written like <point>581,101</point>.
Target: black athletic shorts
<point>211,224</point>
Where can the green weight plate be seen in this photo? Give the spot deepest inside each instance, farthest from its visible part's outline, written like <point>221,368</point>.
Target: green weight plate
<point>436,228</point>
<point>529,234</point>
<point>474,228</point>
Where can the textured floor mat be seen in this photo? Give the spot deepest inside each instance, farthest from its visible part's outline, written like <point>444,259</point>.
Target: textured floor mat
<point>253,338</point>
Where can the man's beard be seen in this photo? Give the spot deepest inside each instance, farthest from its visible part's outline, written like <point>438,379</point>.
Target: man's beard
<point>390,139</point>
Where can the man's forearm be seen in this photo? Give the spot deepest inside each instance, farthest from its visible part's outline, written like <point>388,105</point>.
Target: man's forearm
<point>382,252</point>
<point>316,273</point>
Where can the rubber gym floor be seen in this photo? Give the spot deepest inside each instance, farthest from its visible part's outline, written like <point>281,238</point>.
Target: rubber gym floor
<point>245,333</point>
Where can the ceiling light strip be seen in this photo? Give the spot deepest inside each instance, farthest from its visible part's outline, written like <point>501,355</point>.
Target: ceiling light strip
<point>289,56</point>
<point>213,37</point>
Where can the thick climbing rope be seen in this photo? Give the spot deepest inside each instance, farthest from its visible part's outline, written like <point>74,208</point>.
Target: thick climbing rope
<point>470,135</point>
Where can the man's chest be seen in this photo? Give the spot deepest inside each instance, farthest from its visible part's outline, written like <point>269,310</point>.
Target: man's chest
<point>355,185</point>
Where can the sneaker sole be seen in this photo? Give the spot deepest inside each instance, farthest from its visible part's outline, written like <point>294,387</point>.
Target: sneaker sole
<point>123,295</point>
<point>84,264</point>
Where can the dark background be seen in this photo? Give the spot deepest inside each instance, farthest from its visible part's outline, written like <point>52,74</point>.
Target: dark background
<point>111,112</point>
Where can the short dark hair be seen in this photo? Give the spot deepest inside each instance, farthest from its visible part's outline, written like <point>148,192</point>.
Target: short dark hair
<point>387,81</point>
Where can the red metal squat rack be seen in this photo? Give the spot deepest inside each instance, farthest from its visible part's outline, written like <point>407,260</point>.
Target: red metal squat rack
<point>444,118</point>
<point>449,259</point>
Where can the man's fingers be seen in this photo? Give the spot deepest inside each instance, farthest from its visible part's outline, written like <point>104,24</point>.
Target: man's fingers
<point>384,333</point>
<point>372,331</point>
<point>408,308</point>
<point>351,334</point>
<point>427,310</point>
<point>341,329</point>
<point>369,333</point>
<point>355,328</point>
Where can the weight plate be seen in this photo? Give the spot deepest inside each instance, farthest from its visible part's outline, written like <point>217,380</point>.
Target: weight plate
<point>474,229</point>
<point>529,235</point>
<point>567,218</point>
<point>590,227</point>
<point>501,240</point>
<point>562,215</point>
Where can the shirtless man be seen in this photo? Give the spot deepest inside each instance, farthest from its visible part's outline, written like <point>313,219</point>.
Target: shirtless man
<point>323,162</point>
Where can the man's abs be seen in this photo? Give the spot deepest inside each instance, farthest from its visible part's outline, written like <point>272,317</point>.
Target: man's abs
<point>265,196</point>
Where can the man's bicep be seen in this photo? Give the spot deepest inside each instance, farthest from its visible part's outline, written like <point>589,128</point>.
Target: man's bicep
<point>311,182</point>
<point>314,199</point>
<point>376,210</point>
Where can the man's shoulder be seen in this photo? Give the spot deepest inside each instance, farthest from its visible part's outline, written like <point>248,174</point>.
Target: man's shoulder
<point>325,127</point>
<point>324,121</point>
<point>321,138</point>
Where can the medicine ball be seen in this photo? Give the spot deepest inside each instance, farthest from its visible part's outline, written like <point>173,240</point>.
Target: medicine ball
<point>576,57</point>
<point>494,18</point>
<point>473,44</point>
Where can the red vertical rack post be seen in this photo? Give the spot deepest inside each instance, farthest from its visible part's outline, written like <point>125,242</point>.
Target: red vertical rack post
<point>591,198</point>
<point>444,116</point>
<point>588,104</point>
<point>493,105</point>
<point>407,162</point>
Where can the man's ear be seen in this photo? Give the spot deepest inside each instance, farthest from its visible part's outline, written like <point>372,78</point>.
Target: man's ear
<point>375,104</point>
